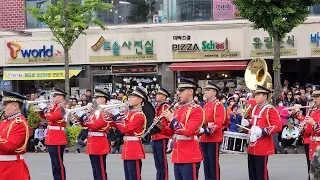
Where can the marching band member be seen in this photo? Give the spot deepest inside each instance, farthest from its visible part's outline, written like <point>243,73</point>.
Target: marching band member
<point>210,141</point>
<point>160,140</point>
<point>266,122</point>
<point>185,124</point>
<point>98,146</point>
<point>133,128</point>
<point>56,138</point>
<point>313,128</point>
<point>14,137</point>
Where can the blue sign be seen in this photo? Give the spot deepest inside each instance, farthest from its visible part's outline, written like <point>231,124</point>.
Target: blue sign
<point>315,38</point>
<point>35,53</point>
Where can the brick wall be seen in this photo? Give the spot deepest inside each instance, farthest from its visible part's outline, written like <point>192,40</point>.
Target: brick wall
<point>12,15</point>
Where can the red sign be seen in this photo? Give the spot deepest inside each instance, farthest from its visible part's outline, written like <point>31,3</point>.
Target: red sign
<point>136,69</point>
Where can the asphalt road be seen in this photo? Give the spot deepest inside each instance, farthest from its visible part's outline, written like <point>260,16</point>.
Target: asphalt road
<point>233,167</point>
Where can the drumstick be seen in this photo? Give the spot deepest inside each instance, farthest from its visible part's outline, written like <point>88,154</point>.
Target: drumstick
<point>243,127</point>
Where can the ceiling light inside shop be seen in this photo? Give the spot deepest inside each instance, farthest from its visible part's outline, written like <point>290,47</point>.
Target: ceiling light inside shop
<point>222,74</point>
<point>124,79</point>
<point>120,16</point>
<point>208,76</point>
<point>140,84</point>
<point>226,75</point>
<point>124,2</point>
<point>154,79</point>
<point>116,11</point>
<point>110,10</point>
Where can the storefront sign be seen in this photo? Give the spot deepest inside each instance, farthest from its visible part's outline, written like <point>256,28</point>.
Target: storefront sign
<point>223,9</point>
<point>283,52</point>
<point>264,46</point>
<point>103,86</point>
<point>38,74</point>
<point>19,54</point>
<point>142,50</point>
<point>209,50</point>
<point>315,39</point>
<point>137,69</point>
<point>183,37</point>
<point>315,51</point>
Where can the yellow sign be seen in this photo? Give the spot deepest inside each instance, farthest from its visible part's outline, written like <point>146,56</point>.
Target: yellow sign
<point>264,53</point>
<point>36,60</point>
<point>206,55</point>
<point>122,58</point>
<point>315,51</point>
<point>38,74</point>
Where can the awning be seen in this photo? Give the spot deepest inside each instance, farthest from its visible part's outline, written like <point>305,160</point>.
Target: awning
<point>209,66</point>
<point>38,73</point>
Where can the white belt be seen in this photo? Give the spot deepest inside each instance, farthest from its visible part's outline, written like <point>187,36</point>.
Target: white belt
<point>10,157</point>
<point>182,137</point>
<point>315,138</point>
<point>210,124</point>
<point>55,128</point>
<point>131,138</point>
<point>96,134</point>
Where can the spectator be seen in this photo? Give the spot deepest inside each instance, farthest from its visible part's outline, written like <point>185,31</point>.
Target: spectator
<point>89,97</point>
<point>73,102</point>
<point>284,113</point>
<point>235,118</point>
<point>229,111</point>
<point>285,87</point>
<point>298,100</point>
<point>288,99</point>
<point>122,97</point>
<point>289,134</point>
<point>115,139</point>
<point>81,140</point>
<point>39,138</point>
<point>33,97</point>
<point>309,90</point>
<point>42,96</point>
<point>224,101</point>
<point>199,94</point>
<point>77,95</point>
<point>84,100</point>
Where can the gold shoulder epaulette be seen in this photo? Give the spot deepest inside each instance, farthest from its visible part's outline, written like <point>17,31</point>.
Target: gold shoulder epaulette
<point>18,120</point>
<point>217,102</point>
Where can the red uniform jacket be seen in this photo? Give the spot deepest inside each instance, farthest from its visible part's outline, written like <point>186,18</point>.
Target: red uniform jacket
<point>313,132</point>
<point>55,120</point>
<point>133,126</point>
<point>97,145</point>
<point>164,121</point>
<point>271,123</point>
<point>189,118</point>
<point>14,137</point>
<point>214,120</point>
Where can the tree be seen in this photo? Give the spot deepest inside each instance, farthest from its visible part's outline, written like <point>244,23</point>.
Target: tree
<point>277,17</point>
<point>67,20</point>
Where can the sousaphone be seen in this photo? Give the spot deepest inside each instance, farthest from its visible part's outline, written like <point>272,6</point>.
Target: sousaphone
<point>257,74</point>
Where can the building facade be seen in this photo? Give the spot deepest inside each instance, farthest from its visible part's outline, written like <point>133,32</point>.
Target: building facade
<point>127,56</point>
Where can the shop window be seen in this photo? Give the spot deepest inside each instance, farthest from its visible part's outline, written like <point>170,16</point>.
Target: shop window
<point>315,10</point>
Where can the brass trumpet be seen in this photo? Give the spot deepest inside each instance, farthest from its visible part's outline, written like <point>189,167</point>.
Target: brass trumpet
<point>122,107</point>
<point>36,108</point>
<point>70,114</point>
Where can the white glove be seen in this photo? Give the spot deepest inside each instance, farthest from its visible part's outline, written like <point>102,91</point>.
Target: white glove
<point>79,113</point>
<point>97,114</point>
<point>89,104</point>
<point>42,106</point>
<point>114,111</point>
<point>245,122</point>
<point>256,130</point>
<point>201,131</point>
<point>253,137</point>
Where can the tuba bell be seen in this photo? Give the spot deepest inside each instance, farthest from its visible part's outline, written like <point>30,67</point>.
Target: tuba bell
<point>257,74</point>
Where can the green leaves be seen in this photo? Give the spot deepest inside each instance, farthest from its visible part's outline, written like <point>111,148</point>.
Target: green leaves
<point>275,16</point>
<point>78,17</point>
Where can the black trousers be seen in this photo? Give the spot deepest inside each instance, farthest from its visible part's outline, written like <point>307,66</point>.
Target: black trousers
<point>132,169</point>
<point>286,142</point>
<point>56,156</point>
<point>306,150</point>
<point>98,164</point>
<point>210,151</point>
<point>258,167</point>
<point>159,148</point>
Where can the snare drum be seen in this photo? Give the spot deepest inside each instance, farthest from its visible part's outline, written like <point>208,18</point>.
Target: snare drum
<point>234,142</point>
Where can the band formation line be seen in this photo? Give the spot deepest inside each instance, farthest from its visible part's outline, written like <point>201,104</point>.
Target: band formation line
<point>197,132</point>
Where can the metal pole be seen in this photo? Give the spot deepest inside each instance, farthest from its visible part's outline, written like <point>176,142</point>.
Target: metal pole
<point>66,50</point>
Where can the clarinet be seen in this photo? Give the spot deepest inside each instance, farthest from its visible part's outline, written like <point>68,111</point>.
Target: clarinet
<point>303,124</point>
<point>158,118</point>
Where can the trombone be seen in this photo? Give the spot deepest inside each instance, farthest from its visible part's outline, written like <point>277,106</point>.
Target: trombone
<point>70,114</point>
